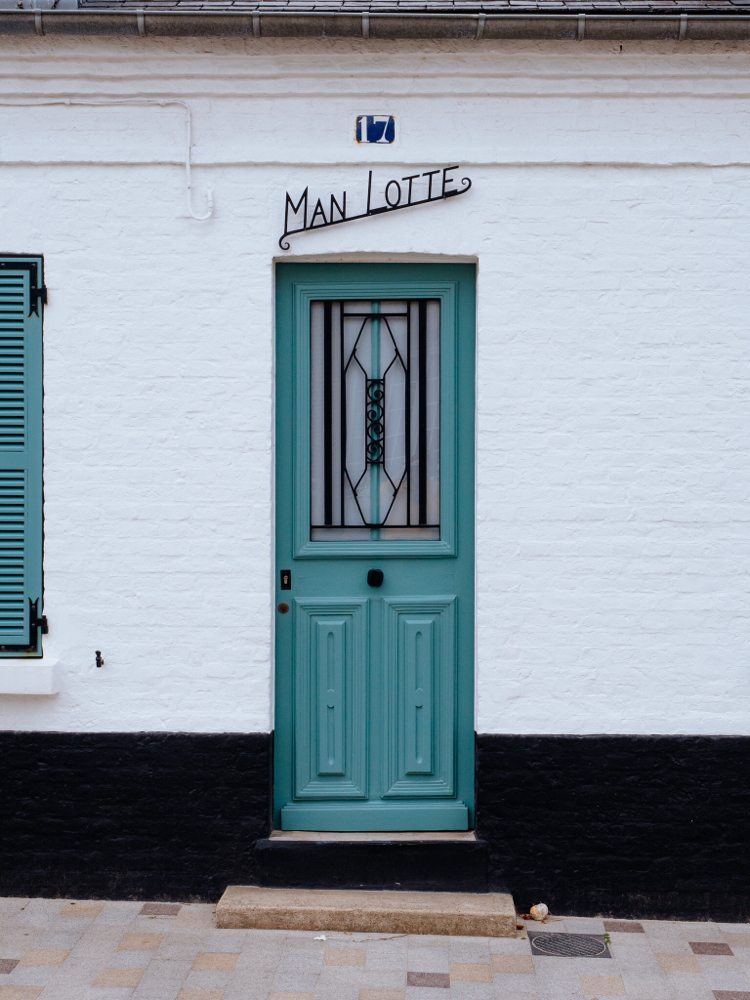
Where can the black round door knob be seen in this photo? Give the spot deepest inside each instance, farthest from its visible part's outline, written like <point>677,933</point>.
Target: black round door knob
<point>375,578</point>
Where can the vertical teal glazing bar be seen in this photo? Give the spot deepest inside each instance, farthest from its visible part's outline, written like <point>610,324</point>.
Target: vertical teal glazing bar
<point>375,469</point>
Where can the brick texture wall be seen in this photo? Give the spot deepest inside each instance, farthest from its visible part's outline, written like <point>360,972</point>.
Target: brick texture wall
<point>620,825</point>
<point>131,815</point>
<point>609,216</point>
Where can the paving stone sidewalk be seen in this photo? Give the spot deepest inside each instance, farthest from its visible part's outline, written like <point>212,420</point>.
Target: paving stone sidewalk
<point>84,950</point>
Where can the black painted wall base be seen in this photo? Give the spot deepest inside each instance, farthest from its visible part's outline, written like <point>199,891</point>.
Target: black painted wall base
<point>620,825</point>
<point>439,866</point>
<point>630,826</point>
<point>131,815</point>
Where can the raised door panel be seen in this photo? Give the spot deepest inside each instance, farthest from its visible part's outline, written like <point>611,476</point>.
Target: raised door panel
<point>330,720</point>
<point>420,709</point>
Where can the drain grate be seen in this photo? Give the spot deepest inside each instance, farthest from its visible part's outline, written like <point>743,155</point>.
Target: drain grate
<point>568,945</point>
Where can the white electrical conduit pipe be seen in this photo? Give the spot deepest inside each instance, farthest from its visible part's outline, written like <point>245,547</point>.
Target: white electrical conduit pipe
<point>160,102</point>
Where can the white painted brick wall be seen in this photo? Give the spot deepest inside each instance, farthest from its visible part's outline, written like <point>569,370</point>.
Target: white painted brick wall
<point>609,217</point>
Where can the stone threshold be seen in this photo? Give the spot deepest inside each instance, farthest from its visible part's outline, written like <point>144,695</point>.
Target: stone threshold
<point>377,837</point>
<point>490,914</point>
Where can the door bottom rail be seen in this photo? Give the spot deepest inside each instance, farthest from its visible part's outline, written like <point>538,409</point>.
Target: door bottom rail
<point>375,816</point>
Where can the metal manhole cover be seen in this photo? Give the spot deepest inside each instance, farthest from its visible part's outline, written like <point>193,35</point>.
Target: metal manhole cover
<point>568,945</point>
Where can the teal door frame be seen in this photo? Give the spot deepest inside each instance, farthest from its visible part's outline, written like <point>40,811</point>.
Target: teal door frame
<point>297,285</point>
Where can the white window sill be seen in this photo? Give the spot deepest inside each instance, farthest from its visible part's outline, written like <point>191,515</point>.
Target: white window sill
<point>29,677</point>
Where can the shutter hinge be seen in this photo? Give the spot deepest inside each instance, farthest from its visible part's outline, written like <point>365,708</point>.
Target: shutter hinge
<point>38,295</point>
<point>37,292</point>
<point>37,623</point>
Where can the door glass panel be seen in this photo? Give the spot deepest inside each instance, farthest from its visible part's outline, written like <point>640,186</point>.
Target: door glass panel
<point>375,420</point>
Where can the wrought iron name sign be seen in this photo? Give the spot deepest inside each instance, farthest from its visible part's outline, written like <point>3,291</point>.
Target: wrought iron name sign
<point>417,189</point>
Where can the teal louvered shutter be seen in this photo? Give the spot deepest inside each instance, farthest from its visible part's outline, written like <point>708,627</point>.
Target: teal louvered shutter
<point>22,294</point>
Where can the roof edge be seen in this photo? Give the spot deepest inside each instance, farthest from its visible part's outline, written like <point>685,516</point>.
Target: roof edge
<point>557,25</point>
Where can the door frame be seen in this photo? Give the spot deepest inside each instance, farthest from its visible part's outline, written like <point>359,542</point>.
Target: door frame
<point>296,285</point>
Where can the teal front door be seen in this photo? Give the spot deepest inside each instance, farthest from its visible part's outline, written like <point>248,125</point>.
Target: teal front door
<point>374,547</point>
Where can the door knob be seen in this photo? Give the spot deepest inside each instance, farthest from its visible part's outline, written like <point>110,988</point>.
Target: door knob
<point>375,578</point>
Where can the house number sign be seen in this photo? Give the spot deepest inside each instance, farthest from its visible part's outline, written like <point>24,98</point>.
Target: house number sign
<point>407,192</point>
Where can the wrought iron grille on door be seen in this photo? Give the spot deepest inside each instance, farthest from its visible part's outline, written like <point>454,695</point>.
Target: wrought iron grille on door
<point>375,419</point>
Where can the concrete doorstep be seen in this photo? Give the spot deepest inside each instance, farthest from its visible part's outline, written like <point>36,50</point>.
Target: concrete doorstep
<point>489,914</point>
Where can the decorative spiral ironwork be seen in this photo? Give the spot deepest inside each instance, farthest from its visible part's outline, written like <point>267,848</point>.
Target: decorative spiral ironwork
<point>375,420</point>
<point>363,487</point>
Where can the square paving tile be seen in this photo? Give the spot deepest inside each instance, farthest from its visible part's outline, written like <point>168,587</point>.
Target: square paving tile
<point>438,980</point>
<point>379,958</point>
<point>510,946</point>
<point>710,948</point>
<point>198,915</point>
<point>165,974</point>
<point>520,995</point>
<point>298,964</point>
<point>189,994</point>
<point>470,991</point>
<point>470,972</point>
<point>215,961</point>
<point>140,942</point>
<point>623,927</point>
<point>160,909</point>
<point>648,987</point>
<point>87,910</point>
<point>578,925</point>
<point>610,986</point>
<point>47,957</point>
<point>428,959</point>
<point>678,963</point>
<point>561,991</point>
<point>42,976</point>
<point>523,964</point>
<point>347,992</point>
<point>384,979</point>
<point>345,956</point>
<point>234,941</point>
<point>7,965</point>
<point>469,954</point>
<point>68,938</point>
<point>119,977</point>
<point>296,982</point>
<point>130,959</point>
<point>731,995</point>
<point>15,992</point>
<point>556,969</point>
